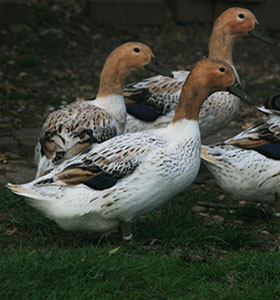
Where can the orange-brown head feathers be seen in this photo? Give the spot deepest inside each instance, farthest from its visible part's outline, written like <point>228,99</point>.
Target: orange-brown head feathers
<point>236,21</point>
<point>217,75</point>
<point>233,23</point>
<point>212,74</point>
<point>207,77</point>
<point>129,57</point>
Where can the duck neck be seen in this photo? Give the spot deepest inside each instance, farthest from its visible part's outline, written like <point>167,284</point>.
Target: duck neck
<point>112,78</point>
<point>221,44</point>
<point>190,102</point>
<point>113,104</point>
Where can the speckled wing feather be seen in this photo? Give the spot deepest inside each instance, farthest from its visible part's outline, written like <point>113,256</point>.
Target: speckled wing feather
<point>151,104</point>
<point>73,129</point>
<point>105,164</point>
<point>245,174</point>
<point>263,137</point>
<point>155,96</point>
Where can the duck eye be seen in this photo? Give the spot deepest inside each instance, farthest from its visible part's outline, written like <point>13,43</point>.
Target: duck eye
<point>137,50</point>
<point>222,69</point>
<point>241,16</point>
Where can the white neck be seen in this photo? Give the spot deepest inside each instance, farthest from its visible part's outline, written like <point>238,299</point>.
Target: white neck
<point>181,130</point>
<point>113,104</point>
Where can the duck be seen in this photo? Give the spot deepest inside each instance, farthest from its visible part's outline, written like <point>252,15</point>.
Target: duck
<point>151,102</point>
<point>247,166</point>
<point>133,173</point>
<point>74,128</point>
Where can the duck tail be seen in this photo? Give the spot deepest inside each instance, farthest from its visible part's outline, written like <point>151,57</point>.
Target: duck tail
<point>22,190</point>
<point>206,155</point>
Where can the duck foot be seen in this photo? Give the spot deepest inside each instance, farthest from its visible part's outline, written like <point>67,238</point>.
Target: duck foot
<point>126,232</point>
<point>277,207</point>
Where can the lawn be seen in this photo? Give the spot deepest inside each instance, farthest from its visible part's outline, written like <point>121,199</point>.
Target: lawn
<point>178,252</point>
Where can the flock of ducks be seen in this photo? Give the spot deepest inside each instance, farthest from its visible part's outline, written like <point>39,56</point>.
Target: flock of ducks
<point>103,162</point>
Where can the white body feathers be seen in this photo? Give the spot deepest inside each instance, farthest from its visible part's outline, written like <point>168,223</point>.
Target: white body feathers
<point>163,162</point>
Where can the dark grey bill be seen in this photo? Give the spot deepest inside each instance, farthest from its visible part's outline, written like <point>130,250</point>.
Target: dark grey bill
<point>155,66</point>
<point>237,90</point>
<point>260,34</point>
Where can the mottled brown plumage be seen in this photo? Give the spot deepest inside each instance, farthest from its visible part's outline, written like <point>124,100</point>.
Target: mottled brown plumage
<point>74,128</point>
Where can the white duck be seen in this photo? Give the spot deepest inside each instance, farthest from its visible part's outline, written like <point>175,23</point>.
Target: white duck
<point>73,128</point>
<point>131,174</point>
<point>151,103</point>
<point>248,165</point>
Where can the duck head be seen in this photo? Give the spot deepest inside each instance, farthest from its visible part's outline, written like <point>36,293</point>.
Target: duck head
<point>208,76</point>
<point>240,22</point>
<point>124,60</point>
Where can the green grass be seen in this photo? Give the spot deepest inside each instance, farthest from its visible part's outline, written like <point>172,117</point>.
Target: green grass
<point>193,258</point>
<point>92,272</point>
<point>5,58</point>
<point>27,61</point>
<point>18,96</point>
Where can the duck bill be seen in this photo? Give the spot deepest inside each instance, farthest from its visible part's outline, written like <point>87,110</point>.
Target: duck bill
<point>258,32</point>
<point>155,66</point>
<point>237,90</point>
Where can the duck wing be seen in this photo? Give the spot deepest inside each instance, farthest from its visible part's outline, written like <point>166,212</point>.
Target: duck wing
<point>155,96</point>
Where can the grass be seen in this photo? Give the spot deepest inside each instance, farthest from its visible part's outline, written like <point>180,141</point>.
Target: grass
<point>5,58</point>
<point>93,272</point>
<point>193,257</point>
<point>27,61</point>
<point>18,96</point>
